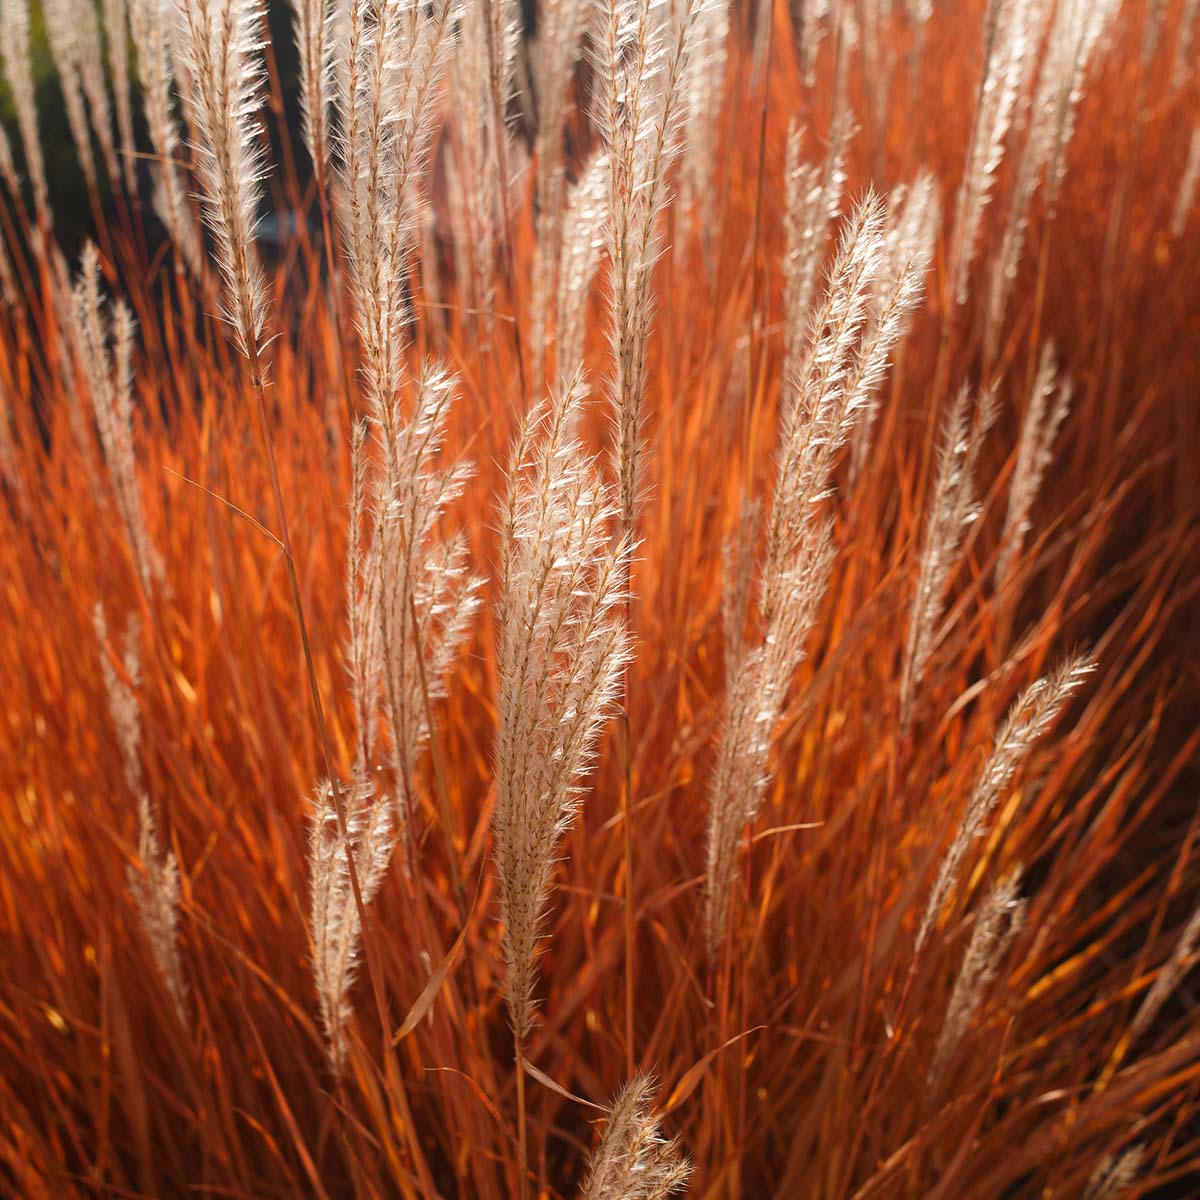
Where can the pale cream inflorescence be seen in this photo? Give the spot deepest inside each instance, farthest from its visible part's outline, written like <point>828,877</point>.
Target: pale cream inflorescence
<point>633,1160</point>
<point>563,646</point>
<point>839,366</point>
<point>1027,721</point>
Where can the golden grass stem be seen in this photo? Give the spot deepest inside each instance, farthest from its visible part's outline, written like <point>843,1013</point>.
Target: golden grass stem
<point>522,1135</point>
<point>630,899</point>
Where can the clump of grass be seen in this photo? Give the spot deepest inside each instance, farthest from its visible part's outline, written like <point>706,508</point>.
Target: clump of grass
<point>401,768</point>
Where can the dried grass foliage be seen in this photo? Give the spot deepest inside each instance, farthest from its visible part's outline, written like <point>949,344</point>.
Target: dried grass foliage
<point>683,562</point>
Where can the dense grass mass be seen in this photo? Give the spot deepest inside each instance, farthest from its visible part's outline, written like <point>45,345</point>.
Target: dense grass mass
<point>637,635</point>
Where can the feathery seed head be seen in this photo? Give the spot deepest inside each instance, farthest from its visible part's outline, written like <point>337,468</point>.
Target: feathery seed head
<point>116,30</point>
<point>154,880</point>
<point>410,593</point>
<point>315,48</point>
<point>103,337</point>
<point>1013,33</point>
<point>149,22</point>
<point>1046,411</point>
<point>218,44</point>
<point>643,52</point>
<point>1170,975</point>
<point>1022,728</point>
<point>844,360</point>
<point>633,1160</point>
<point>16,56</point>
<point>952,508</point>
<point>997,924</point>
<point>1115,1174</point>
<point>563,645</point>
<point>334,925</point>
